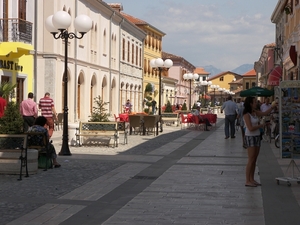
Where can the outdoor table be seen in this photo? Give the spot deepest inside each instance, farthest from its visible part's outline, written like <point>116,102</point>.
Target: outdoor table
<point>124,117</point>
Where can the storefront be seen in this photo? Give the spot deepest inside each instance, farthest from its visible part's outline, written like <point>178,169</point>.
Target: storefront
<point>16,66</point>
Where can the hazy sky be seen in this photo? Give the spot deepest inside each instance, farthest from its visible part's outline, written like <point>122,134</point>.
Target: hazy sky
<point>222,33</point>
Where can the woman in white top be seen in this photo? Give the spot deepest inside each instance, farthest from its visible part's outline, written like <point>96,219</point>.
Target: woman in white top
<point>252,137</point>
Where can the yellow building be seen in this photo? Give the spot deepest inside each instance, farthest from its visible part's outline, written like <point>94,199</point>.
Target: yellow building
<point>223,80</point>
<point>152,50</point>
<point>16,67</point>
<point>16,61</point>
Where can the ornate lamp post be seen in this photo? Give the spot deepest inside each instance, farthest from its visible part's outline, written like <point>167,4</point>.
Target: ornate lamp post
<point>190,77</point>
<point>57,25</point>
<point>160,65</point>
<point>221,90</point>
<point>214,87</point>
<point>205,84</point>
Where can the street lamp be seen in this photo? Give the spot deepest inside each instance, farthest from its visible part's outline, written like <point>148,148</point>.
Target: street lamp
<point>214,87</point>
<point>57,25</point>
<point>160,65</point>
<point>205,84</point>
<point>190,77</point>
<point>221,90</point>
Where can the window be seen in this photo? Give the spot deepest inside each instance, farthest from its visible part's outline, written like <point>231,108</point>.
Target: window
<point>247,85</point>
<point>22,9</point>
<point>123,49</point>
<point>253,84</point>
<point>136,55</point>
<point>128,51</point>
<point>132,53</point>
<point>221,79</point>
<point>140,58</point>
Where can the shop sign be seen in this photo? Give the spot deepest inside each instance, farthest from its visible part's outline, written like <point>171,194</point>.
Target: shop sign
<point>10,65</point>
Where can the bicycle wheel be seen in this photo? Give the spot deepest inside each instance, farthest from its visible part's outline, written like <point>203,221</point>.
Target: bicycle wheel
<point>267,135</point>
<point>277,141</point>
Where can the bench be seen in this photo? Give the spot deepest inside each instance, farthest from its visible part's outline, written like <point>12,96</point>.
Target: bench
<point>123,128</point>
<point>14,155</point>
<point>170,118</point>
<point>97,129</point>
<point>40,142</point>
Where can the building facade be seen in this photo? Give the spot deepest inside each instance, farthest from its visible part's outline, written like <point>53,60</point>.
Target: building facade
<point>106,62</point>
<point>16,46</point>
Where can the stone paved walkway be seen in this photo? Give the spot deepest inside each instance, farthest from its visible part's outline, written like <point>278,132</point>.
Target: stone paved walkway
<point>179,177</point>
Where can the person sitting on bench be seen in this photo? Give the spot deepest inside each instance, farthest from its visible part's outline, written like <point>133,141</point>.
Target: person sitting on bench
<point>201,119</point>
<point>39,126</point>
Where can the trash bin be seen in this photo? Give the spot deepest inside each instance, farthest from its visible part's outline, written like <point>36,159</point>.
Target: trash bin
<point>72,131</point>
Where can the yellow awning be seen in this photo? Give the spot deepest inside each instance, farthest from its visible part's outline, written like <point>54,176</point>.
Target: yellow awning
<point>17,49</point>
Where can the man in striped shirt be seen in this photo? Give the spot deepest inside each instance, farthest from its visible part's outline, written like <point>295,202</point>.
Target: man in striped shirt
<point>46,105</point>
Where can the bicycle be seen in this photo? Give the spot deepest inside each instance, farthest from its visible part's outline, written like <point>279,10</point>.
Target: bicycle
<point>276,134</point>
<point>267,132</point>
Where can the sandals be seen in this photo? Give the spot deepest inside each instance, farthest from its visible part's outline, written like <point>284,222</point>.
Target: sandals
<point>57,166</point>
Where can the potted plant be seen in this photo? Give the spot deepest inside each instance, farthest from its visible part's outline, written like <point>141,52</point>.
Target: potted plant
<point>99,111</point>
<point>168,108</point>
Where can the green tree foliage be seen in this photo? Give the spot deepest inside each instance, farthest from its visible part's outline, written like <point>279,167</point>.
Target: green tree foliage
<point>12,121</point>
<point>99,111</point>
<point>148,88</point>
<point>184,107</point>
<point>195,106</point>
<point>7,89</point>
<point>168,107</point>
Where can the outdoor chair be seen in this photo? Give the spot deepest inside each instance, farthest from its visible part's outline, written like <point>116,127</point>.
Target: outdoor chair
<point>135,123</point>
<point>150,124</point>
<point>117,119</point>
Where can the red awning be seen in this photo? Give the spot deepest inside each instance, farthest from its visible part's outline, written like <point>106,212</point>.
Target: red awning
<point>275,76</point>
<point>204,96</point>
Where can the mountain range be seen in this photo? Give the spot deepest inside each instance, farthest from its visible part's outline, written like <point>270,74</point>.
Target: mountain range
<point>239,70</point>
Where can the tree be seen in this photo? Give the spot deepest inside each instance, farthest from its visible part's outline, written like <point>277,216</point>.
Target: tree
<point>168,107</point>
<point>12,121</point>
<point>8,89</point>
<point>184,106</point>
<point>148,88</point>
<point>99,111</point>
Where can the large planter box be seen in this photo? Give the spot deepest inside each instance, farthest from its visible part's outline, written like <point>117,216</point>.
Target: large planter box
<point>10,162</point>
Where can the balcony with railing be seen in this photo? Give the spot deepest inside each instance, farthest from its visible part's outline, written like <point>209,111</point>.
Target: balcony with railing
<point>15,30</point>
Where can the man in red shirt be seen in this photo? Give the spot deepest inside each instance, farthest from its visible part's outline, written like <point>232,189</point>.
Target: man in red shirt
<point>28,110</point>
<point>46,105</point>
<point>2,105</point>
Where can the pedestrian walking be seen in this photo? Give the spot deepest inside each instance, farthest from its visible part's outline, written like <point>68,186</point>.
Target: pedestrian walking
<point>240,120</point>
<point>252,137</point>
<point>231,110</point>
<point>28,109</point>
<point>46,104</point>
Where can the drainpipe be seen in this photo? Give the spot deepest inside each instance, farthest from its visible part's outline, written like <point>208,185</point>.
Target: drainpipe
<point>120,54</point>
<point>142,66</point>
<point>75,69</point>
<point>110,78</point>
<point>35,49</point>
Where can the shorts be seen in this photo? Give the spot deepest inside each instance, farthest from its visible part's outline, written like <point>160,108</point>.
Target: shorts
<point>252,141</point>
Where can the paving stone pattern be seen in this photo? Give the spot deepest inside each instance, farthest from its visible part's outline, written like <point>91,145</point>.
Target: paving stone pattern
<point>178,177</point>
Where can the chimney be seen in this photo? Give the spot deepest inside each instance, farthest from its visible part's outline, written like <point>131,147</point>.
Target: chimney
<point>116,6</point>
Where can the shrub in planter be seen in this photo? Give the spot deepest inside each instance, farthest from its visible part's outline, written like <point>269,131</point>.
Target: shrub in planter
<point>12,121</point>
<point>99,111</point>
<point>184,107</point>
<point>168,108</point>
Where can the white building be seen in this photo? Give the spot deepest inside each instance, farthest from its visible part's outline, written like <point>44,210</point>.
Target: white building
<point>96,63</point>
